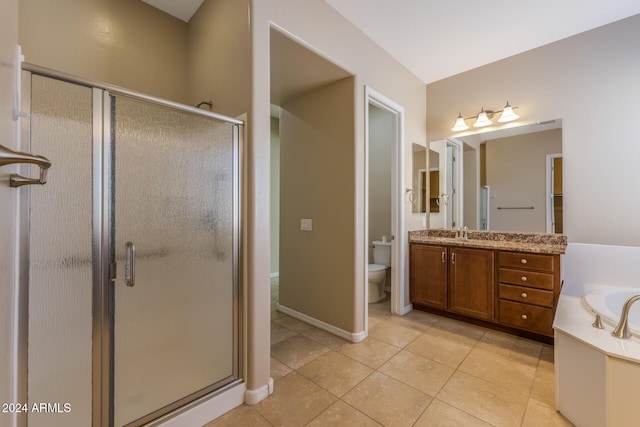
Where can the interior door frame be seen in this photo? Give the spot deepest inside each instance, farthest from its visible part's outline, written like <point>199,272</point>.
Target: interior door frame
<point>423,187</point>
<point>399,241</point>
<point>456,197</point>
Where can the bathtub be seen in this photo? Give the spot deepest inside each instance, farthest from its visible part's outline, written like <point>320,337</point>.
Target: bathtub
<point>575,313</point>
<point>608,302</point>
<point>597,375</point>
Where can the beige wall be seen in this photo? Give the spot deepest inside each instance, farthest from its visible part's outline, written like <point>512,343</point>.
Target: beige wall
<point>121,42</point>
<point>219,56</point>
<point>380,149</point>
<point>135,46</point>
<point>373,67</point>
<point>591,82</point>
<point>316,182</point>
<point>516,174</point>
<point>8,203</point>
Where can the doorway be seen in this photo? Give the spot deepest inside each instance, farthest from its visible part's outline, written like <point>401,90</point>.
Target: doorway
<point>314,126</point>
<point>133,255</point>
<point>395,113</point>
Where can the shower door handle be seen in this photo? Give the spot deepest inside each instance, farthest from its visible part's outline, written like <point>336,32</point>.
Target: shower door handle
<point>130,264</point>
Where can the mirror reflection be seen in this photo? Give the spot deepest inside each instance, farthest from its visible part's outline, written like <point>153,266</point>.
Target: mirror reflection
<point>434,180</point>
<point>504,180</point>
<point>420,183</point>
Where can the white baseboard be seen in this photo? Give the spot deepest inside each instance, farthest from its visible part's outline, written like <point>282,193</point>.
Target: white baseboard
<point>251,397</point>
<point>406,309</point>
<point>349,336</point>
<point>204,410</point>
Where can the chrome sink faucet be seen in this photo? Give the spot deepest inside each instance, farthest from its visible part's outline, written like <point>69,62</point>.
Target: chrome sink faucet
<point>462,233</point>
<point>622,330</point>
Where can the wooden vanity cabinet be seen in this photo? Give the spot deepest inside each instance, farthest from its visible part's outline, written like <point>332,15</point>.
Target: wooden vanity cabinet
<point>459,280</point>
<point>518,290</point>
<point>471,283</point>
<point>528,287</point>
<point>428,275</point>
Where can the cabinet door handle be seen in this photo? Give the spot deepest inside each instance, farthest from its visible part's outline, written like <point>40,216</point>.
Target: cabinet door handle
<point>444,257</point>
<point>523,261</point>
<point>524,317</point>
<point>524,295</point>
<point>453,258</point>
<point>523,278</point>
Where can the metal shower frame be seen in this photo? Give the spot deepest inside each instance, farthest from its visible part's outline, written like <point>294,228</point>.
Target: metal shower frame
<point>104,272</point>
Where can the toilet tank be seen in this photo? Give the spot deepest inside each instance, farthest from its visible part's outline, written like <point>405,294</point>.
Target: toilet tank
<point>382,253</point>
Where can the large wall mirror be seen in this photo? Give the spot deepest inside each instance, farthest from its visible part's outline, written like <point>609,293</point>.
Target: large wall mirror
<point>419,197</point>
<point>504,180</point>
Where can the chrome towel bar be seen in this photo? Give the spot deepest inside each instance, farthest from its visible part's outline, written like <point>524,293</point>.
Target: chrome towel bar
<point>9,157</point>
<point>517,207</point>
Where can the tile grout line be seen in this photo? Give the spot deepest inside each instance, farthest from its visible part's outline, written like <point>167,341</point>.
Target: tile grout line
<point>417,326</point>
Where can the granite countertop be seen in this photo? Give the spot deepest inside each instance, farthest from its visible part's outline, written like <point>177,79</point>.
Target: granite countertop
<point>518,242</point>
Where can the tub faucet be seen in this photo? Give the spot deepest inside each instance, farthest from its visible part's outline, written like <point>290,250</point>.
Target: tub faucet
<point>622,330</point>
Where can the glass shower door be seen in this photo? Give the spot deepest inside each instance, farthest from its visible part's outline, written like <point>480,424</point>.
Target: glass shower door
<point>174,190</point>
<point>60,257</point>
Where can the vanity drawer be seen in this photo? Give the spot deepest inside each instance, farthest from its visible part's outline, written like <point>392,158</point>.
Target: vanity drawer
<point>526,278</point>
<point>524,316</point>
<point>526,295</point>
<point>529,261</point>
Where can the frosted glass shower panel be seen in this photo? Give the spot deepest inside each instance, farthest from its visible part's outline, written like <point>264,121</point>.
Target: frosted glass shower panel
<point>60,269</point>
<point>174,200</point>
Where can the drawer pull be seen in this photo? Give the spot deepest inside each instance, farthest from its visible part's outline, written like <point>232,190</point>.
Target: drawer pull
<point>523,260</point>
<point>524,295</point>
<point>444,258</point>
<point>524,317</point>
<point>523,278</point>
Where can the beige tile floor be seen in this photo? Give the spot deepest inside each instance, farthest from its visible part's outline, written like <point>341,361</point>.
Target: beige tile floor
<point>417,370</point>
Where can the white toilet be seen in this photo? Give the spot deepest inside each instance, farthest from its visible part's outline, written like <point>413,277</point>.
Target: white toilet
<point>378,270</point>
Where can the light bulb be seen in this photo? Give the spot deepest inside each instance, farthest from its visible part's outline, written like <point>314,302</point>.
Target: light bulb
<point>460,124</point>
<point>482,120</point>
<point>507,114</point>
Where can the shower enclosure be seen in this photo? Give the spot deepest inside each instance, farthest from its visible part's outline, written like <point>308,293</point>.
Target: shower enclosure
<point>133,252</point>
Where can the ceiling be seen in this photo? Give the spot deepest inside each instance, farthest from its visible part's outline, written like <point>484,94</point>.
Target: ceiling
<point>181,9</point>
<point>297,69</point>
<point>438,39</point>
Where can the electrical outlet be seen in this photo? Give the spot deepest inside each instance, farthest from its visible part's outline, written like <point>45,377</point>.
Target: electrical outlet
<point>305,225</point>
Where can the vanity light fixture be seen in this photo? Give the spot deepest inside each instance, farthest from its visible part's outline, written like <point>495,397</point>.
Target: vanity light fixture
<point>460,124</point>
<point>507,114</point>
<point>484,117</point>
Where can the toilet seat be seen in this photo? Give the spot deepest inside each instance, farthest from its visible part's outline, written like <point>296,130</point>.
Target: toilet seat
<point>376,267</point>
